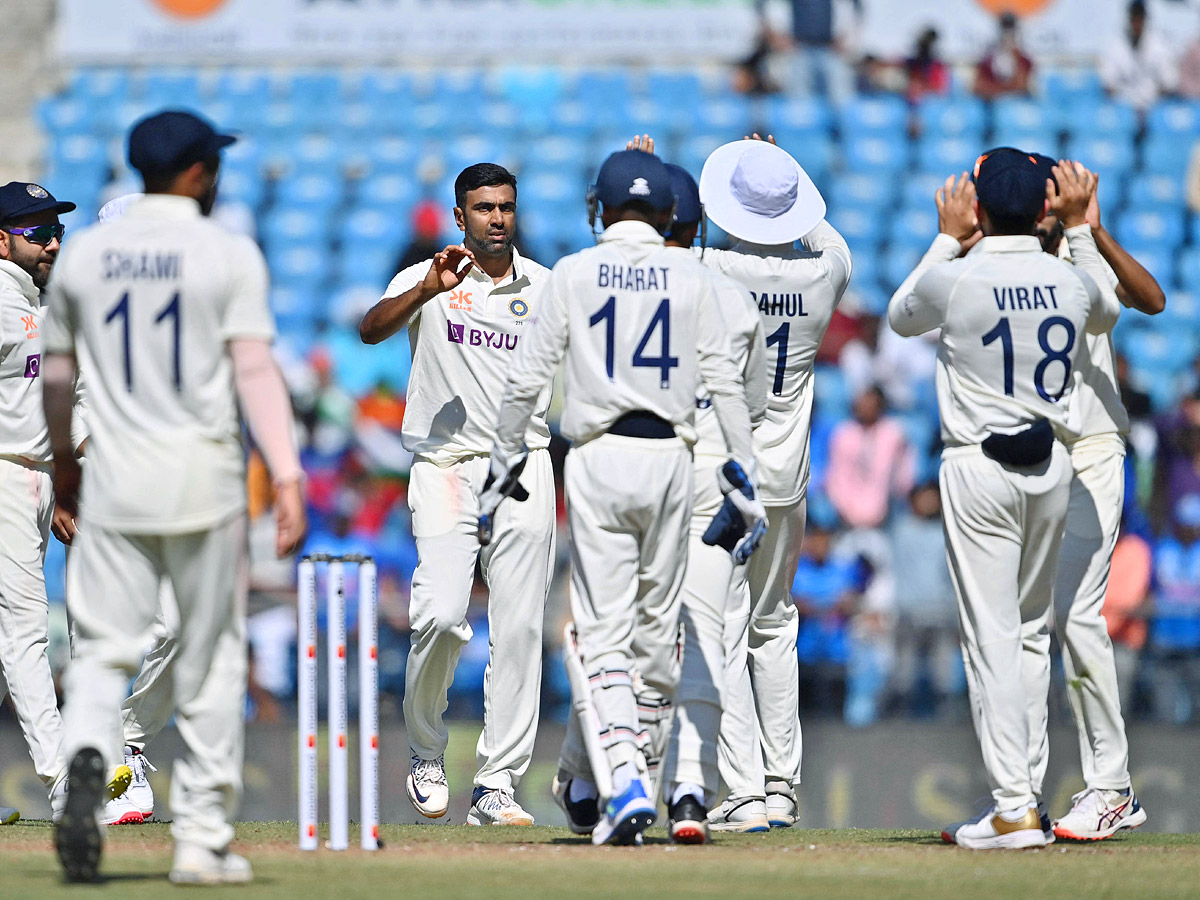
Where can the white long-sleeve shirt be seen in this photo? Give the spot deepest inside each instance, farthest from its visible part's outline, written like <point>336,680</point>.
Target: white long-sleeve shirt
<point>23,430</point>
<point>639,326</point>
<point>796,292</point>
<point>1013,321</point>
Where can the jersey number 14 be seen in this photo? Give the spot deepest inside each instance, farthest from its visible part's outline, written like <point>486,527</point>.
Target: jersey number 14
<point>661,322</point>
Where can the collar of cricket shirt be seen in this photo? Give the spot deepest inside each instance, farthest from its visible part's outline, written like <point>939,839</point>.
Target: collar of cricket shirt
<point>518,274</point>
<point>164,206</point>
<point>631,231</point>
<point>23,281</point>
<point>1010,243</point>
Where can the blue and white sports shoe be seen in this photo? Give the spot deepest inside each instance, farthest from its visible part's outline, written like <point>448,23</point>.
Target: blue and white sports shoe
<point>427,788</point>
<point>626,817</point>
<point>1098,814</point>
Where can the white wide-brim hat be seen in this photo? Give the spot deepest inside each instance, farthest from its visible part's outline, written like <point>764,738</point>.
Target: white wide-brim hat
<point>756,192</point>
<point>117,207</point>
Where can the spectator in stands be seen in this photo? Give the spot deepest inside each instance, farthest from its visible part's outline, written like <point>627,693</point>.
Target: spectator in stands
<point>1005,68</point>
<point>751,74</point>
<point>817,63</point>
<point>1137,403</point>
<point>826,593</point>
<point>871,629</point>
<point>927,74</point>
<point>427,233</point>
<point>900,366</point>
<point>928,663</point>
<point>1125,607</point>
<point>1174,646</point>
<point>1177,462</point>
<point>870,463</point>
<point>1137,68</point>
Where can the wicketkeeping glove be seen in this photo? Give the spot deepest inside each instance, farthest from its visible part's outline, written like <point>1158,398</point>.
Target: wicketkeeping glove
<point>741,522</point>
<point>501,482</point>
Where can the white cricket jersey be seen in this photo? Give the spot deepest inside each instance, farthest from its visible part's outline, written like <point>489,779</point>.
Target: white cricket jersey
<point>640,327</point>
<point>1097,408</point>
<point>796,292</point>
<point>23,430</point>
<point>147,303</point>
<point>1013,321</point>
<point>744,326</point>
<point>463,342</point>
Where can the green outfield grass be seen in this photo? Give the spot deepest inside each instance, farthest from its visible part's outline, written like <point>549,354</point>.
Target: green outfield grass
<point>443,862</point>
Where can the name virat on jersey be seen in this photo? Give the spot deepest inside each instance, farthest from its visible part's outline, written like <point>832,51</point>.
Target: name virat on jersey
<point>632,278</point>
<point>154,266</point>
<point>1021,297</point>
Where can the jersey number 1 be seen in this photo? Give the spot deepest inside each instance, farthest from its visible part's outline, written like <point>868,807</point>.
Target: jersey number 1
<point>170,311</point>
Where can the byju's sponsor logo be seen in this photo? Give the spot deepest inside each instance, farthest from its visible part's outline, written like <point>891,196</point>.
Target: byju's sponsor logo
<point>33,365</point>
<point>479,337</point>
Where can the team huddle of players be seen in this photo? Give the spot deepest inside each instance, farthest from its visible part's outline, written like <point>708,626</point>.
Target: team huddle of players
<point>688,379</point>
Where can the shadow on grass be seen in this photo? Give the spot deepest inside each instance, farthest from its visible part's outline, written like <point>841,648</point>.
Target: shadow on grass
<point>912,840</point>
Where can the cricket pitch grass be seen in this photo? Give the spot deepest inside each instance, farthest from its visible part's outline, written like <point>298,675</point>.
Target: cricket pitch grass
<point>444,862</point>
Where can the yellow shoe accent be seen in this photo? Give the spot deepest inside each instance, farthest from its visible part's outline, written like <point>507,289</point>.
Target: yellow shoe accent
<point>119,783</point>
<point>1029,820</point>
<point>9,815</point>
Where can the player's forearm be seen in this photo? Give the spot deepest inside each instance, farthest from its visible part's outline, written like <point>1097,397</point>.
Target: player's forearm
<point>58,400</point>
<point>267,407</point>
<point>391,314</point>
<point>1086,256</point>
<point>1137,288</point>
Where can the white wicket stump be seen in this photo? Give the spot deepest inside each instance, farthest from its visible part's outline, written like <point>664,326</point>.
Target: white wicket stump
<point>338,701</point>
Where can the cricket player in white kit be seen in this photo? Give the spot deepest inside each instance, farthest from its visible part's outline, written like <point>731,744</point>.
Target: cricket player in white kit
<point>29,244</point>
<point>763,198</point>
<point>167,314</point>
<point>640,330</point>
<point>1012,322</point>
<point>1107,803</point>
<point>467,312</point>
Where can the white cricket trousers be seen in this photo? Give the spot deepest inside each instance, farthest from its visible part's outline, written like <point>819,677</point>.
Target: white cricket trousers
<point>629,501</point>
<point>707,586</point>
<point>760,728</point>
<point>113,597</point>
<point>1093,522</point>
<point>517,565</point>
<point>26,508</point>
<point>1003,529</point>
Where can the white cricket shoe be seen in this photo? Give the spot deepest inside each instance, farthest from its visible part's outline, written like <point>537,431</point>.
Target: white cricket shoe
<point>1002,831</point>
<point>496,806</point>
<point>744,816</point>
<point>1098,814</point>
<point>121,811</point>
<point>985,807</point>
<point>781,804</point>
<point>118,784</point>
<point>199,865</point>
<point>140,794</point>
<point>427,788</point>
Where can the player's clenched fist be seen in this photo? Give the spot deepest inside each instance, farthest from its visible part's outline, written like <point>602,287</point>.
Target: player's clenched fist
<point>956,208</point>
<point>1069,193</point>
<point>447,270</point>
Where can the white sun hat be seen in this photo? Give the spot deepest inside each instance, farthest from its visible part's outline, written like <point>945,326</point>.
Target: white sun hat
<point>117,207</point>
<point>756,192</point>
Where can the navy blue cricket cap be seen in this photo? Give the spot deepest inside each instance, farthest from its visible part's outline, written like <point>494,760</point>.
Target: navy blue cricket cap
<point>171,141</point>
<point>1045,166</point>
<point>688,209</point>
<point>633,175</point>
<point>1009,184</point>
<point>19,199</point>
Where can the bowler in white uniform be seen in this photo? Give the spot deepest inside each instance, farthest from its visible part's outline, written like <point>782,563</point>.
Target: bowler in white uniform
<point>467,311</point>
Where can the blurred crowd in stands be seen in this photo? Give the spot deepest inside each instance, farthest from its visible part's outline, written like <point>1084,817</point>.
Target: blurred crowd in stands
<point>879,632</point>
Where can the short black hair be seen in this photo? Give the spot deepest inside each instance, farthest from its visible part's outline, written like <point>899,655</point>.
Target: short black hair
<point>160,182</point>
<point>481,175</point>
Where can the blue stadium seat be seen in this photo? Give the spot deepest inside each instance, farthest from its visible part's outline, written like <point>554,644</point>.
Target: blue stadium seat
<point>285,227</point>
<point>1067,87</point>
<point>1189,269</point>
<point>367,264</point>
<point>883,115</point>
<point>375,225</point>
<point>64,115</point>
<point>319,194</point>
<point>1116,120</point>
<point>106,86</point>
<point>1183,306</point>
<point>1111,157</point>
<point>1159,351</point>
<point>797,115</point>
<point>572,119</point>
<point>920,187</point>
<point>245,87</point>
<point>915,226</point>
<point>862,226</point>
<point>731,116</point>
<point>861,191</point>
<point>316,153</point>
<point>815,151</point>
<point>1162,155</point>
<point>953,117</point>
<point>81,155</point>
<point>1174,119</point>
<point>1023,115</point>
<point>598,88</point>
<point>1029,141</point>
<point>389,155</point>
<point>395,189</point>
<point>672,86</point>
<point>299,267</point>
<point>831,392</point>
<point>531,87</point>
<point>243,185</point>
<point>1159,260</point>
<point>1140,226</point>
<point>948,154</point>
<point>880,156</point>
<point>897,263</point>
<point>553,152</point>
<point>173,88</point>
<point>695,149</point>
<point>1164,192</point>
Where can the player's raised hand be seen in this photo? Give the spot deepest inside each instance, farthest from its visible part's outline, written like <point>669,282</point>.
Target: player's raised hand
<point>1070,197</point>
<point>447,271</point>
<point>770,138</point>
<point>291,523</point>
<point>955,202</point>
<point>1093,210</point>
<point>642,142</point>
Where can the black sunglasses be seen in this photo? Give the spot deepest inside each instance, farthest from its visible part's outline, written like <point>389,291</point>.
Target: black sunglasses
<point>40,234</point>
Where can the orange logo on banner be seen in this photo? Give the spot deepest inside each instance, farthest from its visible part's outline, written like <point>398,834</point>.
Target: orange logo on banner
<point>190,9</point>
<point>1019,7</point>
